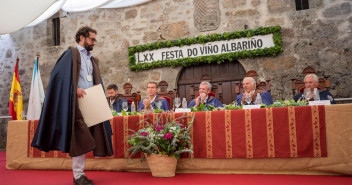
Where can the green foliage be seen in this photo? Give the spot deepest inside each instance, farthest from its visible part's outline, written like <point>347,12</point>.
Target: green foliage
<point>201,107</point>
<point>273,51</point>
<point>287,103</point>
<point>234,106</point>
<point>124,113</point>
<point>162,136</point>
<point>114,113</point>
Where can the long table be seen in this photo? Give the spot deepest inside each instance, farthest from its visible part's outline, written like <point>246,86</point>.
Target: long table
<point>294,140</point>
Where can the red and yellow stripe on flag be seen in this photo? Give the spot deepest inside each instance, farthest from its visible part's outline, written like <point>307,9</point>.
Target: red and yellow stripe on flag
<point>16,101</point>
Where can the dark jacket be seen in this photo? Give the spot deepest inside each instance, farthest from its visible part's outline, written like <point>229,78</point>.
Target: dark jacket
<point>324,95</point>
<point>210,101</point>
<point>117,105</point>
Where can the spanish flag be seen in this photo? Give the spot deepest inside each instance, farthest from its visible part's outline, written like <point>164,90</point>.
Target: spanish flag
<point>16,101</point>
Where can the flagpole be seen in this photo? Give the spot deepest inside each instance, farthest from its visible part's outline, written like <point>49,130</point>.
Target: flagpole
<point>37,60</point>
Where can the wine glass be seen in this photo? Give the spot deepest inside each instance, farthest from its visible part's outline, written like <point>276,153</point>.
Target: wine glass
<point>125,106</point>
<point>158,104</point>
<point>248,98</point>
<point>177,102</point>
<point>307,94</point>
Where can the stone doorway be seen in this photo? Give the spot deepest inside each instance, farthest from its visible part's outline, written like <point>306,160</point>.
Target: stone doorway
<point>223,78</point>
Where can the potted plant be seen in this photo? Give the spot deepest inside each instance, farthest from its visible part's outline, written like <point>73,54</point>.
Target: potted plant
<point>162,142</point>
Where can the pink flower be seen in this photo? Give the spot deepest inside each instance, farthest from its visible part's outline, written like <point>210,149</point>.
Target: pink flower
<point>154,125</point>
<point>168,136</point>
<point>143,133</point>
<point>158,128</point>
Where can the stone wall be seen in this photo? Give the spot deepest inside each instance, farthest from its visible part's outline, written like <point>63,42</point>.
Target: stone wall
<point>320,37</point>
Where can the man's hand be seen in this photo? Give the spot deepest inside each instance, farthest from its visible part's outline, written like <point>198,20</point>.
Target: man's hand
<point>147,104</point>
<point>200,99</point>
<point>80,93</point>
<point>253,96</point>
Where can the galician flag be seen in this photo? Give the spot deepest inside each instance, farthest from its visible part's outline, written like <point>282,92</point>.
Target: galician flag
<point>16,101</point>
<point>36,96</point>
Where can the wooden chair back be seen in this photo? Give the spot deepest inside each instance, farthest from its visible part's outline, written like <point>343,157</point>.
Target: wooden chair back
<point>129,96</point>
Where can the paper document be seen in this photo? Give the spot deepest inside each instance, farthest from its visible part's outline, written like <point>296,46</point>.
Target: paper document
<point>94,107</point>
<point>182,110</point>
<point>251,107</point>
<point>320,102</point>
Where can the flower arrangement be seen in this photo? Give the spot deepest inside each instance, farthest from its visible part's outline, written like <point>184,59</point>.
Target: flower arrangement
<point>162,136</point>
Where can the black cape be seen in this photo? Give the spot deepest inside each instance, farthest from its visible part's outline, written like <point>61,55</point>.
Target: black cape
<point>61,125</point>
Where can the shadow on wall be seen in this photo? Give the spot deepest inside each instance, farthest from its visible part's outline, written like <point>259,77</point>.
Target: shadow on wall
<point>3,133</point>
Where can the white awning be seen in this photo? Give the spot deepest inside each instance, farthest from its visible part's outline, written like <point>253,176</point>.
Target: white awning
<point>16,14</point>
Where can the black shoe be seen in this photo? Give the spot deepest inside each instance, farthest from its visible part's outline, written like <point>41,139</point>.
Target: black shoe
<point>83,180</point>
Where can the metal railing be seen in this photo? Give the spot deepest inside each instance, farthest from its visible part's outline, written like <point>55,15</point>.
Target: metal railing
<point>343,100</point>
<point>5,117</point>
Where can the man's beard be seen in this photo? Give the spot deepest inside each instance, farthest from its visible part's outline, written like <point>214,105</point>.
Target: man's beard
<point>88,47</point>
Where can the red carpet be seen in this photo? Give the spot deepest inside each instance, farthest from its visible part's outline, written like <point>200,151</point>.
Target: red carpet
<point>37,177</point>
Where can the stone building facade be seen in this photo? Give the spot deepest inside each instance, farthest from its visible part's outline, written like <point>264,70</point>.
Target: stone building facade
<point>320,37</point>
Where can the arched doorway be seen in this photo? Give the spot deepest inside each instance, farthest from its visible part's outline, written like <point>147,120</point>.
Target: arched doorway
<point>222,76</point>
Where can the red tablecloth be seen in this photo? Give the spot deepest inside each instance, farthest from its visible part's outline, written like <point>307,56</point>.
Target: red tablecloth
<point>256,133</point>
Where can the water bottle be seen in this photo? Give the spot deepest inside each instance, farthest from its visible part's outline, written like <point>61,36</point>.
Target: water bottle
<point>258,100</point>
<point>316,95</point>
<point>133,107</point>
<point>184,103</point>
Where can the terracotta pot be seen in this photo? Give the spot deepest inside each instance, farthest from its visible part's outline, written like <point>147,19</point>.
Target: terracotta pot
<point>161,165</point>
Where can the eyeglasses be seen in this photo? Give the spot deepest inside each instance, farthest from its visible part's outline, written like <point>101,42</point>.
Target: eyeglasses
<point>92,39</point>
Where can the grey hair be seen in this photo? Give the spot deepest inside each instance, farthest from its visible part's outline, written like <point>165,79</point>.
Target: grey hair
<point>252,80</point>
<point>206,83</point>
<point>315,77</point>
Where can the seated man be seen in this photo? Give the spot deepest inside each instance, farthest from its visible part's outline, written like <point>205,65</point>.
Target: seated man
<point>114,99</point>
<point>311,81</point>
<point>249,89</point>
<point>203,97</point>
<point>153,99</point>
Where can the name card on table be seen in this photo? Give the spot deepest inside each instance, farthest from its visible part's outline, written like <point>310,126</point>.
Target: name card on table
<point>251,106</point>
<point>320,102</point>
<point>182,110</point>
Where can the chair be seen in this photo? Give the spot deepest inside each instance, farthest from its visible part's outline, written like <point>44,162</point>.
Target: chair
<point>168,95</point>
<point>129,96</point>
<point>298,85</point>
<point>260,87</point>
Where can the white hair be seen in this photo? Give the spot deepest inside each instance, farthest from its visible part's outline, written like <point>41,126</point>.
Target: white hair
<point>252,80</point>
<point>206,83</point>
<point>315,77</point>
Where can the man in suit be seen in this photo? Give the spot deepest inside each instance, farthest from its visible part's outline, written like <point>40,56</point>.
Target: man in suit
<point>114,99</point>
<point>204,98</point>
<point>311,81</point>
<point>61,124</point>
<point>249,89</point>
<point>150,103</point>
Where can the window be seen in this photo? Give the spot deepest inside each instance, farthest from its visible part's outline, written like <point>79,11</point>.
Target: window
<point>56,31</point>
<point>302,4</point>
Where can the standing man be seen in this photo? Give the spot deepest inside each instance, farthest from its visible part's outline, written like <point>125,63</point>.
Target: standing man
<point>153,99</point>
<point>249,87</point>
<point>311,81</point>
<point>203,97</point>
<point>61,125</point>
<point>114,99</point>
